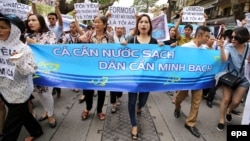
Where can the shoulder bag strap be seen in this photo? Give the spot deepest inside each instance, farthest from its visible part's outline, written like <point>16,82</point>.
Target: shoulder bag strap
<point>243,61</point>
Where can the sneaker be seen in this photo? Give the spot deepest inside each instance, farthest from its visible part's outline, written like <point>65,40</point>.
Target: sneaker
<point>228,118</point>
<point>220,126</point>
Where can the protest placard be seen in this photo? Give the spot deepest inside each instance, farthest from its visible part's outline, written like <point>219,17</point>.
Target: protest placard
<point>86,11</point>
<point>18,9</point>
<point>8,1</point>
<point>193,14</point>
<point>239,24</point>
<point>160,28</point>
<point>122,16</point>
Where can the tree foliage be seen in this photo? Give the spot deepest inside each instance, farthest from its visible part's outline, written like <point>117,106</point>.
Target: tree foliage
<point>143,5</point>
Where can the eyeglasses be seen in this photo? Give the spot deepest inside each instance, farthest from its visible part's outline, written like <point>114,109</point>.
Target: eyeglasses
<point>235,37</point>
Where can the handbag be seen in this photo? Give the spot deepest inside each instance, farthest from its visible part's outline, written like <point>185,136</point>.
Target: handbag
<point>231,80</point>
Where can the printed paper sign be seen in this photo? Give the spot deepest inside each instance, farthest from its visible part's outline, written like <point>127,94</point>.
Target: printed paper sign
<point>86,11</point>
<point>18,9</point>
<point>8,1</point>
<point>247,20</point>
<point>193,14</point>
<point>7,68</point>
<point>160,28</point>
<point>122,16</point>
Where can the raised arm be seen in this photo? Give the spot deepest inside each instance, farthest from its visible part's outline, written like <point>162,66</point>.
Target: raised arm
<point>58,13</point>
<point>205,17</point>
<point>33,6</point>
<point>177,25</point>
<point>79,30</point>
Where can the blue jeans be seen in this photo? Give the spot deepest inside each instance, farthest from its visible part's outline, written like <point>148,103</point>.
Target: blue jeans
<point>132,98</point>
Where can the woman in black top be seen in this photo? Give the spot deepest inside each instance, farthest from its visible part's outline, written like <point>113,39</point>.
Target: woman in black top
<point>173,39</point>
<point>143,33</point>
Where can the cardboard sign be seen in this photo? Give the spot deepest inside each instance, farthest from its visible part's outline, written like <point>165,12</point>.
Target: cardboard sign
<point>193,14</point>
<point>122,16</point>
<point>86,11</point>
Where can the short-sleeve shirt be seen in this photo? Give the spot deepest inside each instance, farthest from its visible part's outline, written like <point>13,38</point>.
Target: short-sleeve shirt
<point>58,30</point>
<point>182,40</point>
<point>70,39</point>
<point>193,45</point>
<point>171,41</point>
<point>235,59</point>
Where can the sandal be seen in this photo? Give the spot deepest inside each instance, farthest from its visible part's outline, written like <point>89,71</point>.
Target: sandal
<point>134,135</point>
<point>101,116</point>
<point>85,114</point>
<point>43,117</point>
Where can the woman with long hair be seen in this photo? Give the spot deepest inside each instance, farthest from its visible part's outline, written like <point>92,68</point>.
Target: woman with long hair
<point>39,33</point>
<point>143,35</point>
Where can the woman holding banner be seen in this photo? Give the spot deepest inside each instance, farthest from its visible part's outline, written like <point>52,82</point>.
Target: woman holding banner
<point>143,32</point>
<point>98,36</point>
<point>39,33</point>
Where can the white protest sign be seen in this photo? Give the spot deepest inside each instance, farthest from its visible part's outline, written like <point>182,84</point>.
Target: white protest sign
<point>246,112</point>
<point>247,70</point>
<point>160,28</point>
<point>86,11</point>
<point>8,1</point>
<point>247,22</point>
<point>193,14</point>
<point>18,9</point>
<point>122,16</point>
<point>7,68</point>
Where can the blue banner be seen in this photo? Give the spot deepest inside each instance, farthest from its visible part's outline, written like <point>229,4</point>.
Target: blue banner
<point>134,68</point>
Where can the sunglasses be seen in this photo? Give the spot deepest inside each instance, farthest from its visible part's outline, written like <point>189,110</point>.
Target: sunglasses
<point>235,37</point>
<point>51,18</point>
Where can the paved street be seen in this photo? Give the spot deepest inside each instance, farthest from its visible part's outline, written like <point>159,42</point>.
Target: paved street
<point>156,123</point>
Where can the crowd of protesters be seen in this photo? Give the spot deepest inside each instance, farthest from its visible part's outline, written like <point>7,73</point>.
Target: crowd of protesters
<point>16,94</point>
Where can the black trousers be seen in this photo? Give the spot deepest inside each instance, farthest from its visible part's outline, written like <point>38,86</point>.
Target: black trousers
<point>114,95</point>
<point>211,94</point>
<point>18,115</point>
<point>89,99</point>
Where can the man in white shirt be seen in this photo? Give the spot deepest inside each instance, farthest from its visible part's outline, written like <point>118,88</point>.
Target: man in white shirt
<point>201,37</point>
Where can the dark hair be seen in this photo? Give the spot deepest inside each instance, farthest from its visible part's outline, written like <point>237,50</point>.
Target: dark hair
<point>188,26</point>
<point>228,33</point>
<point>52,14</point>
<point>42,23</point>
<point>242,17</point>
<point>201,30</point>
<point>242,34</point>
<point>171,28</point>
<point>104,21</point>
<point>11,18</point>
<point>137,32</point>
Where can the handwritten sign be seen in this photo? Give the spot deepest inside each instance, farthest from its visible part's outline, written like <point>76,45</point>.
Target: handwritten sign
<point>8,1</point>
<point>86,11</point>
<point>160,28</point>
<point>193,14</point>
<point>18,9</point>
<point>122,16</point>
<point>7,68</point>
